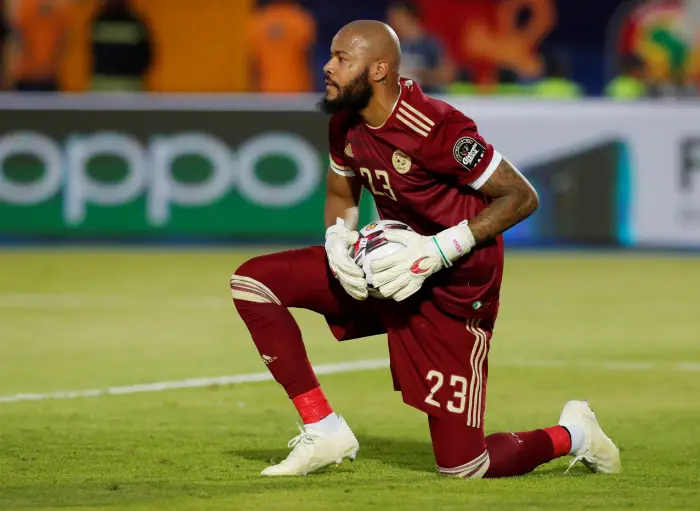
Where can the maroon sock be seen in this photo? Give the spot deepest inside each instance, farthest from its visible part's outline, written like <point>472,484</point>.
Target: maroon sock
<point>263,290</point>
<point>279,342</point>
<point>514,454</point>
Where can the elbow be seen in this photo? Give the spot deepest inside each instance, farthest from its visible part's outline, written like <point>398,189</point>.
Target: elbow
<point>531,202</point>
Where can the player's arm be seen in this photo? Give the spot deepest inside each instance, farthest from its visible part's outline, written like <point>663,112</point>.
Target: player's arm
<point>514,199</point>
<point>342,199</point>
<point>340,214</point>
<point>458,152</point>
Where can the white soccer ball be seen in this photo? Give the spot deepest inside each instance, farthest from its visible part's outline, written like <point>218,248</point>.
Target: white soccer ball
<point>372,245</point>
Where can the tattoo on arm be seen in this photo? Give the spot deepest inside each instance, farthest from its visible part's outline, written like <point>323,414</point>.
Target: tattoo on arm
<point>514,199</point>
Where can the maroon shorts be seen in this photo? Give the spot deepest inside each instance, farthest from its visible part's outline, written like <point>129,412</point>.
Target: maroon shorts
<point>439,362</point>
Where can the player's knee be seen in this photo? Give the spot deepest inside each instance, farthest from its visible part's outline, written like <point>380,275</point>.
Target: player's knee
<point>251,282</point>
<point>474,469</point>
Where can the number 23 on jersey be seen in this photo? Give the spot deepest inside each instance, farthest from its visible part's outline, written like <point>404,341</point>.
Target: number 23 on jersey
<point>379,183</point>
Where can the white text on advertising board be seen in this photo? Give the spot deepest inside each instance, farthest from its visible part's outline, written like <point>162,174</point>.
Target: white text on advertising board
<point>149,171</point>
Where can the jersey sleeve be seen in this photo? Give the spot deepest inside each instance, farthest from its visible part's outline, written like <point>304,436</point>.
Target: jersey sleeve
<point>336,139</point>
<point>458,150</point>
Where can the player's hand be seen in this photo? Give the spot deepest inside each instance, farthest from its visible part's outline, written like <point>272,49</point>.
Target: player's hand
<point>402,274</point>
<point>338,241</point>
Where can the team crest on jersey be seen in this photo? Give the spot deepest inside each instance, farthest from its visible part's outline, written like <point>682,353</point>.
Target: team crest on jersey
<point>401,161</point>
<point>468,152</point>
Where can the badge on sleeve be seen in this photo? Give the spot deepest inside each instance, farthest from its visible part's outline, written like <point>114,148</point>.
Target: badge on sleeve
<point>468,152</point>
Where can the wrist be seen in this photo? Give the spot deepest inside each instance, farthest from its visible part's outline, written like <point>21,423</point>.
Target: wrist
<point>454,242</point>
<point>336,229</point>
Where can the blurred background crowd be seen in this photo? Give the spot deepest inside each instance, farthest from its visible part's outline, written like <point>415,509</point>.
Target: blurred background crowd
<point>545,48</point>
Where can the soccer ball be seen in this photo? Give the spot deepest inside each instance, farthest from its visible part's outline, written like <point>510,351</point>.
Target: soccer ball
<point>372,245</point>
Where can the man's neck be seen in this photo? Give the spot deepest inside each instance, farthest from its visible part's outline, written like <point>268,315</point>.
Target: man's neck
<point>381,105</point>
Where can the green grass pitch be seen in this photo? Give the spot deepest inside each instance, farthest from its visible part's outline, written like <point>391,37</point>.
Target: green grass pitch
<point>620,330</point>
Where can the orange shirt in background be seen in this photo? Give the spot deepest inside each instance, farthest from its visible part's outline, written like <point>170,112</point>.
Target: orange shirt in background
<point>42,25</point>
<point>281,36</point>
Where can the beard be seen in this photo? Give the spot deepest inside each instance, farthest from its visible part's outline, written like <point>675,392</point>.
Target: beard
<point>354,96</point>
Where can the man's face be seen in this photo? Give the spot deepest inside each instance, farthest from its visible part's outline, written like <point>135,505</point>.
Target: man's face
<point>347,77</point>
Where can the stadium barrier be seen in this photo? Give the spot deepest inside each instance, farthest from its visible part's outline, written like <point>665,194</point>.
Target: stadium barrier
<point>252,168</point>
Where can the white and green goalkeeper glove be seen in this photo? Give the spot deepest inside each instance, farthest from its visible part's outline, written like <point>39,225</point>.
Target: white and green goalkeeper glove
<point>402,274</point>
<point>338,241</point>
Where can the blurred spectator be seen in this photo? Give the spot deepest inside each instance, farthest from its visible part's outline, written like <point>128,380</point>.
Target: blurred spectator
<point>281,36</point>
<point>504,37</point>
<point>630,83</point>
<point>39,30</point>
<point>4,32</point>
<point>422,56</point>
<point>677,83</point>
<point>121,48</point>
<point>557,84</point>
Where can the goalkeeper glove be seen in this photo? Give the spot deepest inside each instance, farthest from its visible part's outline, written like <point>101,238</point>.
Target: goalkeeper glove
<point>339,239</point>
<point>402,274</point>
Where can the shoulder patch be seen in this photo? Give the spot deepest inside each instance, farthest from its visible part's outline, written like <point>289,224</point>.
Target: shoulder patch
<point>468,152</point>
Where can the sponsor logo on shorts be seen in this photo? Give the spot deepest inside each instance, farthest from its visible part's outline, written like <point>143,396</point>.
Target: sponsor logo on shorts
<point>477,305</point>
<point>268,360</point>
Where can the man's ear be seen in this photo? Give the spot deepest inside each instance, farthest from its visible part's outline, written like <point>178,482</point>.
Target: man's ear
<point>380,71</point>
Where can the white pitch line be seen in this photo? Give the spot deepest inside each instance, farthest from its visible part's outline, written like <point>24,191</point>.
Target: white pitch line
<point>193,383</point>
<point>688,366</point>
<point>102,301</point>
<point>344,367</point>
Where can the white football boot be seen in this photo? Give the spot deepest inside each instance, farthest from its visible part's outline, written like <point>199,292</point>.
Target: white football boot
<point>598,453</point>
<point>313,449</point>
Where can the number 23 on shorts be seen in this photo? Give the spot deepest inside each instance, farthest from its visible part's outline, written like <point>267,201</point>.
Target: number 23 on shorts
<point>456,382</point>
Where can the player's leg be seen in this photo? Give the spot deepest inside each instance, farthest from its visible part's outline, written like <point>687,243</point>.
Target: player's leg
<point>512,454</point>
<point>440,365</point>
<point>263,289</point>
<point>458,441</point>
<point>462,451</point>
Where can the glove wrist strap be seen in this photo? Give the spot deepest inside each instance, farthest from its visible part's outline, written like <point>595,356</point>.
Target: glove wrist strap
<point>454,242</point>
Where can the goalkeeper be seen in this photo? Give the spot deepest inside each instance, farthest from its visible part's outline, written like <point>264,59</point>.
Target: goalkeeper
<point>427,166</point>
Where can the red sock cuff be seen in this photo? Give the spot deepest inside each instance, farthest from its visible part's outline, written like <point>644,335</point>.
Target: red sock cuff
<point>561,440</point>
<point>312,406</point>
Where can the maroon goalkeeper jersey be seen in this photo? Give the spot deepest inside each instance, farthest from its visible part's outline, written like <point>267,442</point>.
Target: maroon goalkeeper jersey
<point>424,166</point>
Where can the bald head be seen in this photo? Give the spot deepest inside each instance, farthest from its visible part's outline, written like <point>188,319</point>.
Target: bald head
<point>373,41</point>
